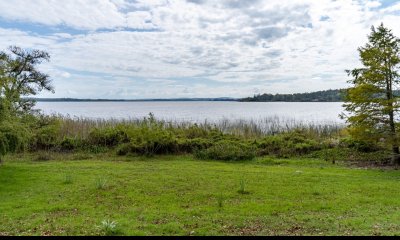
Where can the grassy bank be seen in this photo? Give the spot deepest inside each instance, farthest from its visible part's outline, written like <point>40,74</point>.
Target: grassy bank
<point>72,194</point>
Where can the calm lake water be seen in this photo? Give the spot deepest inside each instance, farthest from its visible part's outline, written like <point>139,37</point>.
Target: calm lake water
<point>315,112</point>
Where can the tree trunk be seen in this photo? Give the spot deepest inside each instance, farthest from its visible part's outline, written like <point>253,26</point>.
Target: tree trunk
<point>396,155</point>
<point>395,146</point>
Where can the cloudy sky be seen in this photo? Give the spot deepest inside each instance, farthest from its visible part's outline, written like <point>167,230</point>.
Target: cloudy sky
<point>194,48</point>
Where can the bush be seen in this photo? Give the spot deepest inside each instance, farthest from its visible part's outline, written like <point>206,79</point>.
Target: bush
<point>227,151</point>
<point>193,145</point>
<point>291,143</point>
<point>359,145</point>
<point>13,137</point>
<point>69,144</point>
<point>124,149</point>
<point>108,137</point>
<point>45,136</point>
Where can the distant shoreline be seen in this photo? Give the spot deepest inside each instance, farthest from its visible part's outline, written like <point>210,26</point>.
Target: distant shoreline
<point>137,100</point>
<point>164,100</point>
<point>335,95</point>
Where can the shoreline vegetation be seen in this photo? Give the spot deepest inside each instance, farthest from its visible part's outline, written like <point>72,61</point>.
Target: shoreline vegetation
<point>225,140</point>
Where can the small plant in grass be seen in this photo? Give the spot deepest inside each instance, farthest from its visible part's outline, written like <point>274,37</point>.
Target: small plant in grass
<point>101,183</point>
<point>68,179</point>
<point>242,187</point>
<point>108,227</point>
<point>220,201</point>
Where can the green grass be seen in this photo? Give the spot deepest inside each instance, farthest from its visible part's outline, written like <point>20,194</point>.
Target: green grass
<point>176,195</point>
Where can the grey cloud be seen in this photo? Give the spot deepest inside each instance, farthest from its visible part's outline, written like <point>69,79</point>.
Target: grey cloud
<point>197,1</point>
<point>271,33</point>
<point>196,50</point>
<point>273,53</point>
<point>296,15</point>
<point>251,41</point>
<point>240,3</point>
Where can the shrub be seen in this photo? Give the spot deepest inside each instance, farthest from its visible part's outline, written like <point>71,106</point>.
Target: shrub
<point>150,141</point>
<point>291,143</point>
<point>227,151</point>
<point>108,137</point>
<point>359,145</point>
<point>69,144</point>
<point>193,145</point>
<point>96,149</point>
<point>45,137</point>
<point>13,137</point>
<point>124,149</point>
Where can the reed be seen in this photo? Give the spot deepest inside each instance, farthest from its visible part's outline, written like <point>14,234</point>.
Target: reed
<point>254,128</point>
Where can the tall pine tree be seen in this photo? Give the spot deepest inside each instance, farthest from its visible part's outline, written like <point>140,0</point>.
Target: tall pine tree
<point>372,106</point>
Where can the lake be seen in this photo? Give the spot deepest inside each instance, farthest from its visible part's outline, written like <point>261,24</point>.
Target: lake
<point>309,112</point>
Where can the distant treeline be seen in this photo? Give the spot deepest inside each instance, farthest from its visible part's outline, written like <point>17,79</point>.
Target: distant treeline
<point>130,100</point>
<point>336,95</point>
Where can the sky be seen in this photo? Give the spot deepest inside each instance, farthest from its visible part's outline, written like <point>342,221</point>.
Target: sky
<point>138,49</point>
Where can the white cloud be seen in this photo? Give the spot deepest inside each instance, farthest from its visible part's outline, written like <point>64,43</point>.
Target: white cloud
<point>229,47</point>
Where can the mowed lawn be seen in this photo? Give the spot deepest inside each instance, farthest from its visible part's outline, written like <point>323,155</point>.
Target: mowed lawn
<point>177,195</point>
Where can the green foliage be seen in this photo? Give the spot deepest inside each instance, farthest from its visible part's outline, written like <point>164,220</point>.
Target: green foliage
<point>372,102</point>
<point>242,187</point>
<point>13,137</point>
<point>195,144</point>
<point>69,144</point>
<point>109,228</point>
<point>108,137</point>
<point>359,145</point>
<point>227,151</point>
<point>68,179</point>
<point>151,141</point>
<point>343,154</point>
<point>290,143</point>
<point>19,77</point>
<point>46,134</point>
<point>101,183</point>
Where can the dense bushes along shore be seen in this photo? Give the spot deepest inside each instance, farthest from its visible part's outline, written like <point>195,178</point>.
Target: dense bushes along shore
<point>228,141</point>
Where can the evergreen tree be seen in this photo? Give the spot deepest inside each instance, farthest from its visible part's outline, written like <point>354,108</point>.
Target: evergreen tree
<point>371,103</point>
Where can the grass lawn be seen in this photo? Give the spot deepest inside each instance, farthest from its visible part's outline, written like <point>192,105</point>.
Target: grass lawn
<point>177,195</point>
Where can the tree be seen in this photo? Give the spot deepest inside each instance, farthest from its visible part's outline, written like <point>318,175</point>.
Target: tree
<point>19,78</point>
<point>372,104</point>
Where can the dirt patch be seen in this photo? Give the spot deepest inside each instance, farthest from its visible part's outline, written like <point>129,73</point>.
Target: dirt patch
<point>252,229</point>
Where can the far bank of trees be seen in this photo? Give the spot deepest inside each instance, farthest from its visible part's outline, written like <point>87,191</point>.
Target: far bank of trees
<point>336,95</point>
